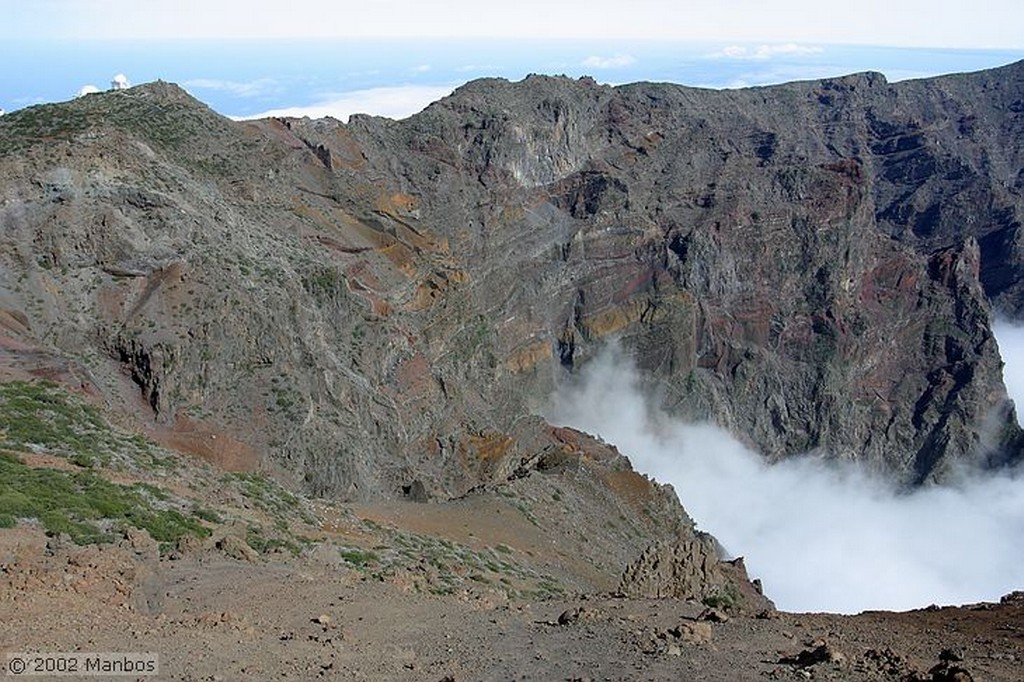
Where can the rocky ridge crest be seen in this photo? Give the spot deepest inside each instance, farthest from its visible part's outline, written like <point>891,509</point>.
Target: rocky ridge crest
<point>360,306</point>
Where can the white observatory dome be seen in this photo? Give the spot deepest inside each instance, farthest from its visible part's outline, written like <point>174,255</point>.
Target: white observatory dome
<point>119,82</point>
<point>87,90</point>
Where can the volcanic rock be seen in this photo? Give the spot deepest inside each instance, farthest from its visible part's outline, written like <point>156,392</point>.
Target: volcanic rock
<point>375,310</point>
<point>360,305</point>
<point>691,569</point>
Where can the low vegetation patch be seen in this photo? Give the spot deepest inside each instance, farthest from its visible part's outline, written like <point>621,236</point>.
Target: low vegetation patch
<point>265,542</point>
<point>269,496</point>
<point>164,123</point>
<point>444,566</point>
<point>42,417</point>
<point>85,506</point>
<point>359,558</point>
<point>726,599</point>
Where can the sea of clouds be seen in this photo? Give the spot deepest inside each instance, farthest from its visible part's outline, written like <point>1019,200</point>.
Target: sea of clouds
<point>822,536</point>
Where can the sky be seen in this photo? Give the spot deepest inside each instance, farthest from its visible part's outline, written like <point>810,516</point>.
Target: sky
<point>393,57</point>
<point>907,23</point>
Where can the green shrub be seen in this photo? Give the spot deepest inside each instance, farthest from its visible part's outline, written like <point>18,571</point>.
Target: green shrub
<point>358,557</point>
<point>41,414</point>
<point>264,544</point>
<point>82,504</point>
<point>727,599</point>
<point>83,460</point>
<point>207,515</point>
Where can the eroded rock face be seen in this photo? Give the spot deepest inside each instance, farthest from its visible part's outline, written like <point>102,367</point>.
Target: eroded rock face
<point>690,568</point>
<point>809,265</point>
<point>366,305</point>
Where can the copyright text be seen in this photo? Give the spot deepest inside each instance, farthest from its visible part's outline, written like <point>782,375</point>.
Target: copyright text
<point>76,663</point>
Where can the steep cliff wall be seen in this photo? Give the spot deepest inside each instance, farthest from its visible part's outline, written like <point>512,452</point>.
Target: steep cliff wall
<point>366,305</point>
<point>810,265</point>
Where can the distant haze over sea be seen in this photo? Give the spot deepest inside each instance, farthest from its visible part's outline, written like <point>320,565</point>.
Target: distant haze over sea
<point>396,78</point>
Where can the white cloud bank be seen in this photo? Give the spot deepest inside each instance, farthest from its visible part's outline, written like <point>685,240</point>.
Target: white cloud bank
<point>616,61</point>
<point>822,537</point>
<point>765,52</point>
<point>392,102</point>
<point>1011,346</point>
<point>253,88</point>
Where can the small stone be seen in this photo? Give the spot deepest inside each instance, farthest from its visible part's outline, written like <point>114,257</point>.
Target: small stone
<point>237,548</point>
<point>569,616</point>
<point>945,672</point>
<point>188,545</point>
<point>1013,597</point>
<point>821,652</point>
<point>674,650</point>
<point>713,615</point>
<point>692,632</point>
<point>141,542</point>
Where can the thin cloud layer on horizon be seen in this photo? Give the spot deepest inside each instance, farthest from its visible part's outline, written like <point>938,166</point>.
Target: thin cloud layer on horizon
<point>250,78</point>
<point>253,88</point>
<point>391,102</point>
<point>615,61</point>
<point>765,52</point>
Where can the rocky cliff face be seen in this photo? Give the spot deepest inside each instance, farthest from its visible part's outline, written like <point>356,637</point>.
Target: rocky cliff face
<point>810,265</point>
<point>376,307</point>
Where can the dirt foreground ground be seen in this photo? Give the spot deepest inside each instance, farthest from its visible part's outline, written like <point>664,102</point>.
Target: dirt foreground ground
<point>211,617</point>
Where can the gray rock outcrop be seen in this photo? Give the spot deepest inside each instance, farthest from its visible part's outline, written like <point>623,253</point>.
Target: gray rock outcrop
<point>690,568</point>
<point>812,266</point>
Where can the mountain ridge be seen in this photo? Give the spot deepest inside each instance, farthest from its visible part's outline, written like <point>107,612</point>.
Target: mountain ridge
<point>374,312</point>
<point>563,189</point>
